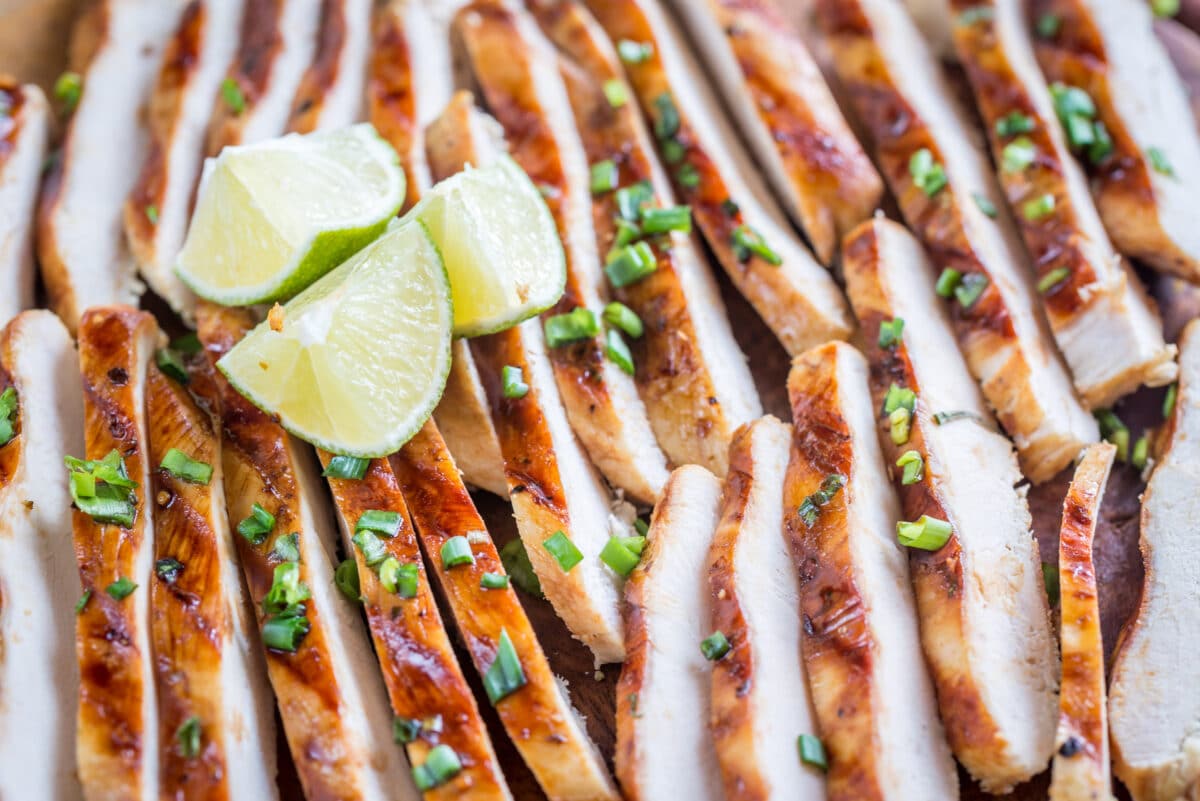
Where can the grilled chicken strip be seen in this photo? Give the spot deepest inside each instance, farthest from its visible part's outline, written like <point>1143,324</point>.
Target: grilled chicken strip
<point>1081,767</point>
<point>664,748</point>
<point>732,207</point>
<point>516,70</point>
<point>276,47</point>
<point>1147,187</point>
<point>332,701</point>
<point>331,94</point>
<point>117,738</point>
<point>928,153</point>
<point>22,150</point>
<point>691,372</point>
<point>862,649</point>
<point>555,490</point>
<point>1154,711</point>
<point>158,209</point>
<point>786,111</point>
<point>985,621</point>
<point>759,697</point>
<point>115,52</point>
<point>39,678</point>
<point>420,670</point>
<point>410,81</point>
<point>538,716</point>
<point>1105,325</point>
<point>216,719</point>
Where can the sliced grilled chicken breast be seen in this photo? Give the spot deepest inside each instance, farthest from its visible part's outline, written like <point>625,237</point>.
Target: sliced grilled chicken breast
<point>904,100</point>
<point>1146,188</point>
<point>117,737</point>
<point>760,701</point>
<point>23,138</point>
<point>1154,711</point>
<point>159,207</point>
<point>691,372</point>
<point>332,702</point>
<point>39,678</point>
<point>115,49</point>
<point>216,716</point>
<point>420,670</point>
<point>554,489</point>
<point>538,716</point>
<point>788,115</point>
<point>1081,766</point>
<point>862,647</point>
<point>332,92</point>
<point>664,747</point>
<point>732,207</point>
<point>410,81</point>
<point>276,47</point>
<point>1104,323</point>
<point>516,70</point>
<point>985,621</point>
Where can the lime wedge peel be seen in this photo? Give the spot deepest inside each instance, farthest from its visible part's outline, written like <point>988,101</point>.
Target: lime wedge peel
<point>273,217</point>
<point>362,356</point>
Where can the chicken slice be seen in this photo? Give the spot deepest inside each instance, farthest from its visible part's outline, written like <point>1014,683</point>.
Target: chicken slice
<point>420,670</point>
<point>1147,188</point>
<point>760,701</point>
<point>158,209</point>
<point>862,648</point>
<point>516,70</point>
<point>216,716</point>
<point>692,374</point>
<point>985,620</point>
<point>115,51</point>
<point>923,139</point>
<point>332,701</point>
<point>1104,323</point>
<point>1081,764</point>
<point>664,747</point>
<point>788,115</point>
<point>539,718</point>
<point>24,128</point>
<point>410,81</point>
<point>1153,708</point>
<point>332,92</point>
<point>117,738</point>
<point>276,47</point>
<point>39,677</point>
<point>731,205</point>
<point>555,490</point>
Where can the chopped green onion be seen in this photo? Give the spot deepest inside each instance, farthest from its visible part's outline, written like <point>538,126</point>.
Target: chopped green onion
<point>941,418</point>
<point>83,600</point>
<point>405,730</point>
<point>168,569</point>
<point>120,589</point>
<point>629,265</point>
<point>730,208</point>
<point>1018,154</point>
<point>673,151</point>
<point>373,549</point>
<point>641,527</point>
<point>456,551</point>
<point>69,89</point>
<point>512,382</point>
<point>284,631</point>
<point>913,466</point>
<point>624,318</point>
<point>287,590</point>
<point>152,214</point>
<point>900,425</point>
<point>1141,452</point>
<point>626,232</point>
<point>1081,131</point>
<point>747,242</point>
<point>384,522</point>
<point>1038,208</point>
<point>630,200</point>
<point>171,363</point>
<point>899,397</point>
<point>563,550</point>
<point>632,52</point>
<point>618,556</point>
<point>636,544</point>
<point>102,489</point>
<point>927,174</point>
<point>1013,123</point>
<point>666,121</point>
<point>603,176</point>
<point>348,467</point>
<point>674,218</point>
<point>969,290</point>
<point>926,534</point>
<point>346,579</point>
<point>810,507</point>
<point>8,414</point>
<point>257,526</point>
<point>408,580</point>
<point>1164,8</point>
<point>577,324</point>
<point>1115,431</point>
<point>231,93</point>
<point>984,204</point>
<point>891,332</point>
<point>1070,100</point>
<point>505,675</point>
<point>714,646</point>
<point>1169,400</point>
<point>947,282</point>
<point>287,548</point>
<point>1159,161</point>
<point>618,352</point>
<point>518,567</point>
<point>687,176</point>
<point>389,573</point>
<point>812,752</point>
<point>188,343</point>
<point>615,92</point>
<point>1052,279</point>
<point>1050,579</point>
<point>188,736</point>
<point>1102,147</point>
<point>976,14</point>
<point>1048,25</point>
<point>493,581</point>
<point>185,468</point>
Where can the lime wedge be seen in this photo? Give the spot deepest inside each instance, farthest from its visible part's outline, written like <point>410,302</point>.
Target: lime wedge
<point>273,217</point>
<point>500,244</point>
<point>362,355</point>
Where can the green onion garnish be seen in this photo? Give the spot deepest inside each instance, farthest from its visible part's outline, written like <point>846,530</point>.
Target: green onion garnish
<point>714,646</point>
<point>171,363</point>
<point>641,527</point>
<point>984,204</point>
<point>891,332</point>
<point>618,352</point>
<point>1164,8</point>
<point>632,52</point>
<point>812,752</point>
<point>747,242</point>
<point>349,467</point>
<point>1114,430</point>
<point>287,548</point>
<point>976,14</point>
<point>188,737</point>
<point>287,590</point>
<point>603,176</point>
<point>913,466</point>
<point>518,567</point>
<point>232,94</point>
<point>926,534</point>
<point>408,580</point>
<point>810,507</point>
<point>1052,279</point>
<point>284,631</point>
<point>1102,147</point>
<point>687,176</point>
<point>120,589</point>
<point>1013,123</point>
<point>168,569</point>
<point>673,151</point>
<point>346,579</point>
<point>1159,161</point>
<point>942,418</point>
<point>1081,132</point>
<point>82,602</point>
<point>1048,25</point>
<point>947,282</point>
<point>619,315</point>
<point>405,730</point>
<point>152,214</point>
<point>102,489</point>
<point>970,288</point>
<point>389,573</point>
<point>185,468</point>
<point>456,551</point>
<point>619,556</point>
<point>563,550</point>
<point>1141,452</point>
<point>1038,208</point>
<point>371,546</point>
<point>505,675</point>
<point>1018,154</point>
<point>440,766</point>
<point>1169,400</point>
<point>563,329</point>
<point>1070,100</point>
<point>1050,579</point>
<point>927,174</point>
<point>630,200</point>
<point>615,92</point>
<point>512,382</point>
<point>629,265</point>
<point>384,522</point>
<point>69,89</point>
<point>257,526</point>
<point>674,218</point>
<point>493,581</point>
<point>900,425</point>
<point>899,397</point>
<point>8,414</point>
<point>666,122</point>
